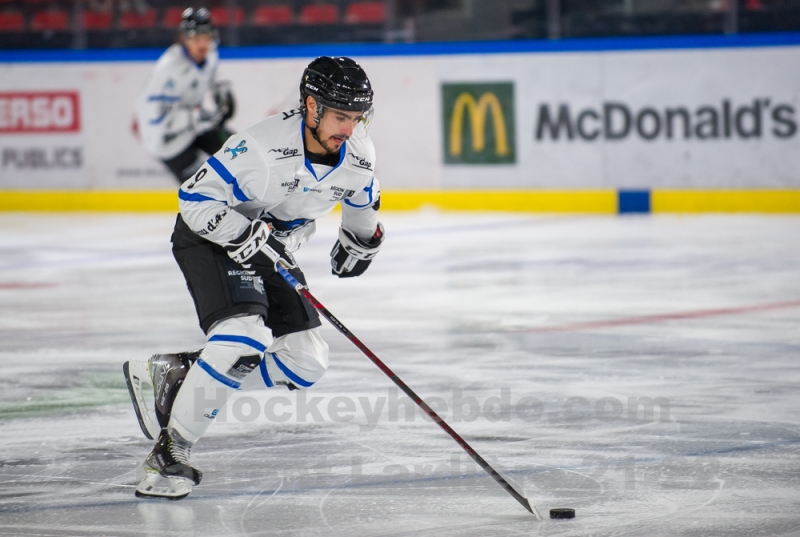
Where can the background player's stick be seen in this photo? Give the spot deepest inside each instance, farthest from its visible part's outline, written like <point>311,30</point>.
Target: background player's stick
<point>303,291</point>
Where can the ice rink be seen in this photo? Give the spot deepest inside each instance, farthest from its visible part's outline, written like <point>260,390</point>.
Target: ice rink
<point>644,371</point>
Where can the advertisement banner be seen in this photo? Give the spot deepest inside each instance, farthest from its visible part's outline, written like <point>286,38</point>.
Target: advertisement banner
<point>722,118</point>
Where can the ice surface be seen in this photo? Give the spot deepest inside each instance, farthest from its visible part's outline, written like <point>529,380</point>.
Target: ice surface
<point>555,327</point>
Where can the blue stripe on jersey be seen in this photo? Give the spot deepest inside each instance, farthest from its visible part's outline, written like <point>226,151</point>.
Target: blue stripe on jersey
<point>368,190</point>
<point>185,196</point>
<point>290,374</point>
<point>216,375</point>
<point>228,178</point>
<point>159,119</point>
<point>167,98</point>
<point>239,339</point>
<point>264,375</point>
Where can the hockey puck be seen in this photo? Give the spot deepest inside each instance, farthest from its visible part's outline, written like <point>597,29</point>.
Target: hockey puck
<point>562,512</point>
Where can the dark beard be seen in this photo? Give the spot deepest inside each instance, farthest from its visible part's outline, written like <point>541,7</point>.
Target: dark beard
<point>329,149</point>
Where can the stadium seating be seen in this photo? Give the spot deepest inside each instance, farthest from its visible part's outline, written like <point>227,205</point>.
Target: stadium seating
<point>221,16</point>
<point>319,14</point>
<point>97,20</point>
<point>272,15</point>
<point>132,20</point>
<point>50,19</point>
<point>172,17</point>
<point>12,21</point>
<point>365,13</point>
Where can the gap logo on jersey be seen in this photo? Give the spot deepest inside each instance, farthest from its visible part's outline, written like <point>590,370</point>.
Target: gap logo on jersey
<point>478,123</point>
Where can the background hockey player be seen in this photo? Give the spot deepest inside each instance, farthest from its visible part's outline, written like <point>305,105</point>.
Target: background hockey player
<point>171,119</point>
<point>250,205</point>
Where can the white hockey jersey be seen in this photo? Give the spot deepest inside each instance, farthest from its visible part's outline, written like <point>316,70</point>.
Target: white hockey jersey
<point>164,111</point>
<point>263,172</point>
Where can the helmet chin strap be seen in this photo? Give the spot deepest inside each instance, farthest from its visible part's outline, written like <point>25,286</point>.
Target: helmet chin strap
<point>320,113</point>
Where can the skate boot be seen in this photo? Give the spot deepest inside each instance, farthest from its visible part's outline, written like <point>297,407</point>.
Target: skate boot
<point>167,471</point>
<point>165,372</point>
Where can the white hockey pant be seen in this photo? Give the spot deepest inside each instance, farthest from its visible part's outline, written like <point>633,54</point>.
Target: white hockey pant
<point>236,347</point>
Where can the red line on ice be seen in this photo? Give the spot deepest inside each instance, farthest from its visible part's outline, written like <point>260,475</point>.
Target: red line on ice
<point>26,285</point>
<point>647,319</point>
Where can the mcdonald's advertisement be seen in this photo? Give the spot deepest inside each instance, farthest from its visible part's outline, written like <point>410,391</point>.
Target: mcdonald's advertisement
<point>721,118</point>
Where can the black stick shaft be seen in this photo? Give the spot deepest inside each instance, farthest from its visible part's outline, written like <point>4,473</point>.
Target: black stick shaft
<point>303,290</point>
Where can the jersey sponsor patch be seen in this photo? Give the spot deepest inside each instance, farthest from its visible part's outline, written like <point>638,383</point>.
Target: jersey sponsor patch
<point>214,223</point>
<point>339,193</point>
<point>285,152</point>
<point>360,162</point>
<point>236,151</point>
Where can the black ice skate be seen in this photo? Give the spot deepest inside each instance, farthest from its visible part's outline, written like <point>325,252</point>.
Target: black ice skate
<point>165,372</point>
<point>167,471</point>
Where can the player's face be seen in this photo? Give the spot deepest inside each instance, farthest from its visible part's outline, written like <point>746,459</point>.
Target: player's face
<point>336,127</point>
<point>198,46</point>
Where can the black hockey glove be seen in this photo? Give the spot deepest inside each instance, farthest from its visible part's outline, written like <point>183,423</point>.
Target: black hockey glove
<point>260,249</point>
<point>223,97</point>
<point>351,255</point>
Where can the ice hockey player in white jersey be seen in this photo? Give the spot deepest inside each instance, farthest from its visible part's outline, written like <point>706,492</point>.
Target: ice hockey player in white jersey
<point>171,119</point>
<point>251,204</point>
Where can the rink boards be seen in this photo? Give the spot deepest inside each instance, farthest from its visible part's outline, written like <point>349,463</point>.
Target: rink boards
<point>678,124</point>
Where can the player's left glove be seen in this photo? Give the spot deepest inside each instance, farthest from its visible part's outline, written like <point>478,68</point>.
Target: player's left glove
<point>223,97</point>
<point>259,248</point>
<point>351,255</point>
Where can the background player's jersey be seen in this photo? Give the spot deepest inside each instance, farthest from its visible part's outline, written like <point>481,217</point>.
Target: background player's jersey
<point>164,110</point>
<point>263,172</point>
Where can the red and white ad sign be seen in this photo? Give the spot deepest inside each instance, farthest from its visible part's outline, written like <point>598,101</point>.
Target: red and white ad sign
<point>38,112</point>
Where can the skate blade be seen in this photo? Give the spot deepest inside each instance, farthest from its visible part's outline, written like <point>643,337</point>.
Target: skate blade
<point>154,485</point>
<point>137,375</point>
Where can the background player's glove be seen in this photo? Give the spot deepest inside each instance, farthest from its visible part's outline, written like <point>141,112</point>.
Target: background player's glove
<point>223,97</point>
<point>259,248</point>
<point>351,255</point>
<point>203,120</point>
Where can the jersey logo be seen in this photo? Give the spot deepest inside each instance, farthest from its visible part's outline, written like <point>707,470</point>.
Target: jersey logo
<point>287,152</point>
<point>361,162</point>
<point>236,151</point>
<point>339,193</point>
<point>306,189</point>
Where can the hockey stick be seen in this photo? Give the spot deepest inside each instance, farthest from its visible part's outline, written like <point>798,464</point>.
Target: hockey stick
<point>304,292</point>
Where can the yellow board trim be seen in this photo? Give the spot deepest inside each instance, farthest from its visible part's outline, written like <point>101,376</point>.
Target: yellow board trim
<point>725,201</point>
<point>94,201</point>
<point>546,201</point>
<point>533,201</point>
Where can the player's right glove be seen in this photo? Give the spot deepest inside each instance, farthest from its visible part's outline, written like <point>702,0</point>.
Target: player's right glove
<point>352,255</point>
<point>260,249</point>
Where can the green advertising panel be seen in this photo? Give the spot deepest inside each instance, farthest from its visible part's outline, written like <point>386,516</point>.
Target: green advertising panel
<point>479,123</point>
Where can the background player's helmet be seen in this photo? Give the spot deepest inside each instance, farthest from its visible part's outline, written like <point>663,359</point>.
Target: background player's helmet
<point>196,21</point>
<point>338,83</point>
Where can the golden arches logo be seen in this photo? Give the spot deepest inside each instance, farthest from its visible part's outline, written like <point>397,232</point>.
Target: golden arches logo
<point>477,111</point>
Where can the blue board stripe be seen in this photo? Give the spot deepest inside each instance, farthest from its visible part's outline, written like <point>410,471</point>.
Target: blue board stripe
<point>600,44</point>
<point>633,201</point>
<point>228,178</point>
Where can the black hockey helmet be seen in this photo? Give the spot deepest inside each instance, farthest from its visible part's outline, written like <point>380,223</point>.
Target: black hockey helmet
<point>196,21</point>
<point>337,83</point>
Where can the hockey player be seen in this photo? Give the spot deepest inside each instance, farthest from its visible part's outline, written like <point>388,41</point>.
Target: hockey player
<point>248,207</point>
<point>170,118</point>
